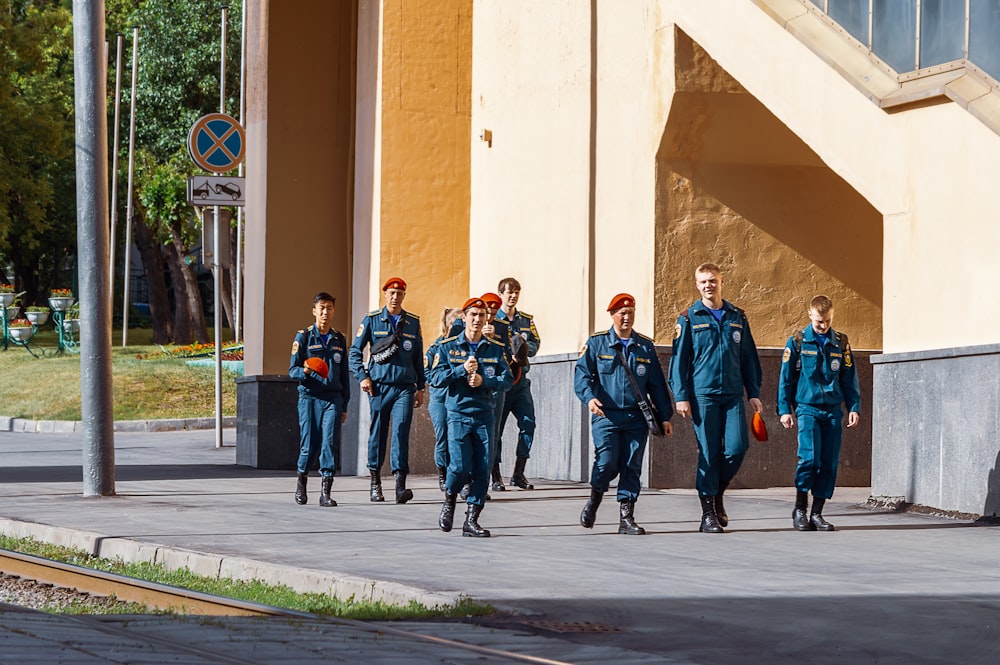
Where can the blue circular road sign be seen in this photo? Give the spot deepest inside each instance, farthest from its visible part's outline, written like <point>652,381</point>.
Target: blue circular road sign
<point>217,143</point>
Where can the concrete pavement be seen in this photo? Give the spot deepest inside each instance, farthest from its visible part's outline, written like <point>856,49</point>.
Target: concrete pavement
<point>886,587</point>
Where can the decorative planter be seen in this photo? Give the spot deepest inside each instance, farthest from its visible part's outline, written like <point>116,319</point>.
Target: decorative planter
<point>6,299</point>
<point>21,334</point>
<point>71,325</point>
<point>37,318</point>
<point>61,304</point>
<point>12,313</point>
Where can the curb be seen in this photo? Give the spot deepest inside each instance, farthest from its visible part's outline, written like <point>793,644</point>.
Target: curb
<point>10,424</point>
<point>302,580</point>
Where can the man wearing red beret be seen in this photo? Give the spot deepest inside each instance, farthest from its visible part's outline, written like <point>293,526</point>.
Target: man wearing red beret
<point>393,379</point>
<point>472,369</point>
<point>617,376</point>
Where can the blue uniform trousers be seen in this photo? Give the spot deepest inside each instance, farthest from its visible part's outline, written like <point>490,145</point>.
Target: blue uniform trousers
<point>721,428</point>
<point>319,435</point>
<point>469,456</point>
<point>390,404</point>
<point>519,402</point>
<point>820,432</point>
<point>498,400</point>
<point>619,446</point>
<point>439,419</point>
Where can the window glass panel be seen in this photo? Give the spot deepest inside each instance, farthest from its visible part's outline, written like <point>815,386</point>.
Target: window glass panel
<point>942,31</point>
<point>818,3</point>
<point>852,15</point>
<point>984,35</point>
<point>894,33</point>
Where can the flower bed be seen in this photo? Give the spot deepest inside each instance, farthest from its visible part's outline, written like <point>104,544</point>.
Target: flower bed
<point>230,351</point>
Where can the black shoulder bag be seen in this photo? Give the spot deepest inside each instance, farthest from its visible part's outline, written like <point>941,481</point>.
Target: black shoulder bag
<point>649,412</point>
<point>384,349</point>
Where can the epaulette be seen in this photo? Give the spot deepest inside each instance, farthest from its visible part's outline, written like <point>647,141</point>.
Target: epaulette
<point>412,315</point>
<point>493,341</point>
<point>525,314</point>
<point>310,327</point>
<point>301,332</point>
<point>640,335</point>
<point>505,322</point>
<point>842,338</point>
<point>599,333</point>
<point>448,339</point>
<point>374,312</point>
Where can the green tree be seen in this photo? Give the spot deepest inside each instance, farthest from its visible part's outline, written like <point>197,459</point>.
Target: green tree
<point>37,184</point>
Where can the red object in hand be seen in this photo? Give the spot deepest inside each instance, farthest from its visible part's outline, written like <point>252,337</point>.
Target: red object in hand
<point>319,366</point>
<point>757,427</point>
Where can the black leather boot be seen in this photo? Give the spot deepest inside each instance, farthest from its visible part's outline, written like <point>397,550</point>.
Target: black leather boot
<point>402,494</point>
<point>447,517</point>
<point>800,518</point>
<point>720,508</point>
<point>627,523</point>
<point>376,491</point>
<point>816,517</point>
<point>464,493</point>
<point>443,478</point>
<point>497,479</point>
<point>709,520</point>
<point>324,495</point>
<point>518,479</point>
<point>301,497</point>
<point>589,512</point>
<point>471,527</point>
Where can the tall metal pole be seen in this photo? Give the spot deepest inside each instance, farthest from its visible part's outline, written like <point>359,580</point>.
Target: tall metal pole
<point>238,299</point>
<point>216,265</point>
<point>128,205</point>
<point>114,168</point>
<point>91,95</point>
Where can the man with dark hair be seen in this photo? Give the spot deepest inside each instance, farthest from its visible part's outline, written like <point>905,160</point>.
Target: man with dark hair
<point>472,368</point>
<point>319,364</point>
<point>394,382</point>
<point>714,362</point>
<point>524,343</point>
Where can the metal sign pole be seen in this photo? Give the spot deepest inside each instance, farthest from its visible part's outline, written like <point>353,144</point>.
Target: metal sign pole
<point>131,171</point>
<point>216,266</point>
<point>238,297</point>
<point>114,168</point>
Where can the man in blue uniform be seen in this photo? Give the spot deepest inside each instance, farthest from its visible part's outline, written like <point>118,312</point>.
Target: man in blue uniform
<point>472,368</point>
<point>393,381</point>
<point>818,375</point>
<point>714,362</point>
<point>322,399</point>
<point>617,424</point>
<point>524,342</point>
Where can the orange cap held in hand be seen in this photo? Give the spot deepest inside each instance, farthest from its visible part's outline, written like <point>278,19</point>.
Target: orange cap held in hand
<point>757,427</point>
<point>319,366</point>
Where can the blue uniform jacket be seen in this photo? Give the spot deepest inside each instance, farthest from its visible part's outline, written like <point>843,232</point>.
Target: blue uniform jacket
<point>308,344</point>
<point>524,325</point>
<point>599,374</point>
<point>819,376</point>
<point>714,358</point>
<point>447,371</point>
<point>501,332</point>
<point>437,392</point>
<point>406,367</point>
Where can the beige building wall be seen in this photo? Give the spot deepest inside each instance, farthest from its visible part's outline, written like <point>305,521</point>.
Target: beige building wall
<point>417,190</point>
<point>299,172</point>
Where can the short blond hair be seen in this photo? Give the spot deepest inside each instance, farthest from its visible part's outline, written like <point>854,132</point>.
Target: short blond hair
<point>822,304</point>
<point>708,267</point>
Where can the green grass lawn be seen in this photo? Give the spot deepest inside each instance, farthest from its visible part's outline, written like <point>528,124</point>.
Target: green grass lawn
<point>147,385</point>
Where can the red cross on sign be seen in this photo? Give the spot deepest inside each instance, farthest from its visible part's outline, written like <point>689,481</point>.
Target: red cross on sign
<point>217,143</point>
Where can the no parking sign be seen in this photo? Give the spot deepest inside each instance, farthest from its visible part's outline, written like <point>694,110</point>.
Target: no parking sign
<point>217,142</point>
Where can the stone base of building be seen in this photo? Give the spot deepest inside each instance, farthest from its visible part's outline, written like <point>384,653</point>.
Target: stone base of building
<point>937,415</point>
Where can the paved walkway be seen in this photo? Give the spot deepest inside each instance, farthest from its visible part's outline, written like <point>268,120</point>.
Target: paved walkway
<point>885,588</point>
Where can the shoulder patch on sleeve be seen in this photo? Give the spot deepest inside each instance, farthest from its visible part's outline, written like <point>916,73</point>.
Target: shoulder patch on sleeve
<point>295,347</point>
<point>677,331</point>
<point>361,329</point>
<point>583,350</point>
<point>787,355</point>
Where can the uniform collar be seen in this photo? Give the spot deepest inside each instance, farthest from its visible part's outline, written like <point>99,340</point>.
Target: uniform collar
<point>386,315</point>
<point>810,335</point>
<point>700,306</point>
<point>503,315</point>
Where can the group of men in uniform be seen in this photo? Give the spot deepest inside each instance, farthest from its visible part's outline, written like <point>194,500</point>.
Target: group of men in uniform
<point>478,370</point>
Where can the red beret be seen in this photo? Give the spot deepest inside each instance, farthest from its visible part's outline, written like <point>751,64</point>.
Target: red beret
<point>491,298</point>
<point>473,302</point>
<point>394,283</point>
<point>621,300</point>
